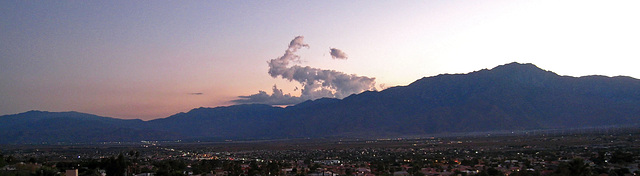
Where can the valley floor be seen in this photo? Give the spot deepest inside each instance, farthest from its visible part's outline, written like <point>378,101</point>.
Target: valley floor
<point>610,152</point>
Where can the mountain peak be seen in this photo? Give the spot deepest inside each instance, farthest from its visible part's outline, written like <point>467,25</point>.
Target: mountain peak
<point>526,74</point>
<point>35,111</point>
<point>517,64</point>
<point>514,71</point>
<point>514,96</point>
<point>515,67</point>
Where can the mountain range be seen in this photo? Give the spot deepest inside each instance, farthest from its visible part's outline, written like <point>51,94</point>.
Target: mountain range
<point>513,96</point>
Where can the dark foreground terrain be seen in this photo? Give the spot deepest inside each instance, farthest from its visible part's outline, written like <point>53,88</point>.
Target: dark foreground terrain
<point>572,152</point>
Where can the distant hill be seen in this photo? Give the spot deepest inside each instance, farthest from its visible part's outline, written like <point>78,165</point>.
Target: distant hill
<point>508,97</point>
<point>41,127</point>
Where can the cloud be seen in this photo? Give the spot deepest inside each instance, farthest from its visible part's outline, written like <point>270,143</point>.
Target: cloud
<point>197,93</point>
<point>276,98</point>
<point>316,83</point>
<point>337,53</point>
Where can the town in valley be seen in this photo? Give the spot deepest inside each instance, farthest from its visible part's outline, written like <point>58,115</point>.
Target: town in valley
<point>611,151</point>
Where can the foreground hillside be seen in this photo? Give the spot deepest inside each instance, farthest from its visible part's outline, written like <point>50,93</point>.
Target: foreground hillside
<point>509,97</point>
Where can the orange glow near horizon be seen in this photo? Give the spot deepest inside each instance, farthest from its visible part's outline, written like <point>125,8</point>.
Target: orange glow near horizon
<point>147,61</point>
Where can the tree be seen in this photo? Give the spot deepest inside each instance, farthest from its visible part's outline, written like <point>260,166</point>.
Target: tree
<point>116,166</point>
<point>314,167</point>
<point>170,167</point>
<point>525,173</point>
<point>576,167</point>
<point>3,162</point>
<point>46,171</point>
<point>490,172</point>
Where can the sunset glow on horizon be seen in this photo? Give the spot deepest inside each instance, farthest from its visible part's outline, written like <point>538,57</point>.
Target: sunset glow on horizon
<point>141,60</point>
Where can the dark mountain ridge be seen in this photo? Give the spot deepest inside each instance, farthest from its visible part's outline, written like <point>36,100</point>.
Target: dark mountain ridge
<point>508,97</point>
<point>42,127</point>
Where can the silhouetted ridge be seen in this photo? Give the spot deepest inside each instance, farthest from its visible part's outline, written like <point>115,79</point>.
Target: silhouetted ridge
<point>317,102</point>
<point>520,69</point>
<point>509,97</point>
<point>71,127</point>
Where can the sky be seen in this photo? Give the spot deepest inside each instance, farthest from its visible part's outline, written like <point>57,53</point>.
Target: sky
<point>148,60</point>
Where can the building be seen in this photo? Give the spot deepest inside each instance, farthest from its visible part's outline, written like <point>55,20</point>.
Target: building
<point>72,172</point>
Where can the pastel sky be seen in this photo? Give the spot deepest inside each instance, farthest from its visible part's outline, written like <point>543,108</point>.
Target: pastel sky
<point>152,59</point>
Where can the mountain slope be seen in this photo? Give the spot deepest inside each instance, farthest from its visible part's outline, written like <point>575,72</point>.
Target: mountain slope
<point>508,97</point>
<point>71,127</point>
<point>240,121</point>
